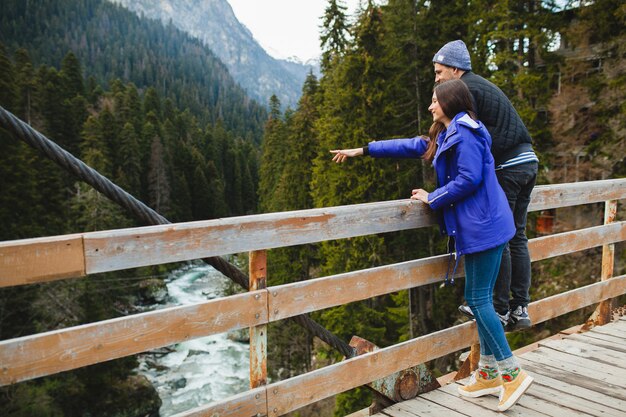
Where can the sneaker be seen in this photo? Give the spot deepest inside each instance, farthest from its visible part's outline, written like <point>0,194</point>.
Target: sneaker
<point>466,311</point>
<point>519,319</point>
<point>512,391</point>
<point>479,386</point>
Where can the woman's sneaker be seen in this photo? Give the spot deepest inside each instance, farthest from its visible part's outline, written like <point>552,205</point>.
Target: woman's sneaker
<point>512,391</point>
<point>479,386</point>
<point>519,319</point>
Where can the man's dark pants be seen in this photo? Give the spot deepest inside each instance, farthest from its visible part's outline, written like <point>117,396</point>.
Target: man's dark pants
<point>514,276</point>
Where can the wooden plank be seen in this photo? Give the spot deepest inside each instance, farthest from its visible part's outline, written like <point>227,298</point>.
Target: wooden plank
<point>316,294</point>
<point>63,256</point>
<point>293,393</point>
<point>569,301</point>
<point>577,240</point>
<point>134,247</point>
<point>320,293</point>
<point>490,402</point>
<point>530,400</point>
<point>249,403</point>
<point>580,368</point>
<point>584,338</point>
<point>582,363</point>
<point>42,259</point>
<point>604,337</point>
<point>589,351</point>
<point>576,193</point>
<point>61,350</point>
<point>571,376</point>
<point>458,404</point>
<point>619,324</point>
<point>596,396</point>
<point>609,331</point>
<point>421,408</point>
<point>573,402</point>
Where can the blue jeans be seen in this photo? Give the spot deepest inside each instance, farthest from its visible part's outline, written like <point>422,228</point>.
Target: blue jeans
<point>514,276</point>
<point>481,271</point>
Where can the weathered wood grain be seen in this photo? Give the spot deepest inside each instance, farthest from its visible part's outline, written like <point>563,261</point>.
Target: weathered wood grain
<point>571,375</point>
<point>248,404</point>
<point>490,402</point>
<point>611,331</point>
<point>128,248</point>
<point>559,304</point>
<point>597,396</point>
<point>421,408</point>
<point>546,197</point>
<point>61,350</point>
<point>456,403</point>
<point>293,393</point>
<point>572,401</point>
<point>613,345</point>
<point>589,351</point>
<point>579,366</point>
<point>577,240</point>
<point>153,245</point>
<point>42,259</point>
<point>319,293</point>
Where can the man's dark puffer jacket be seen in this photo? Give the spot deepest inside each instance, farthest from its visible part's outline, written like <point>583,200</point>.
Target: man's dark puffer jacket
<point>508,133</point>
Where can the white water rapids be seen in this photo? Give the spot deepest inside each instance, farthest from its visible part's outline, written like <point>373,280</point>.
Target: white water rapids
<point>199,371</point>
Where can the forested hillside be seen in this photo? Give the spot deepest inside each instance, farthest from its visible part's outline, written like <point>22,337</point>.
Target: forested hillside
<point>377,84</point>
<point>112,42</point>
<point>149,108</point>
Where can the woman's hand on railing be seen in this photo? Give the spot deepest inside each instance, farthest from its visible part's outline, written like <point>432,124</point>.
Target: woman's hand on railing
<point>341,155</point>
<point>419,194</point>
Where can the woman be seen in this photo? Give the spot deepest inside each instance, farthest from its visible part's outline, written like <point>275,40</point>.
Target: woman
<point>475,213</point>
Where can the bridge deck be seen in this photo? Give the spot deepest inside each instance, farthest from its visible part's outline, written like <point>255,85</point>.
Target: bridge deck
<point>578,375</point>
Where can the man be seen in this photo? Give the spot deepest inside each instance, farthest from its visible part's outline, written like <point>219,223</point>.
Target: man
<point>516,169</point>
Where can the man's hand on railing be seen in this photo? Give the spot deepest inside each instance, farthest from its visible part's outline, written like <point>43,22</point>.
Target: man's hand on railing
<point>341,155</point>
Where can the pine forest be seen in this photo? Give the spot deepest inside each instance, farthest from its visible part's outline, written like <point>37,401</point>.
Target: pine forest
<point>155,111</point>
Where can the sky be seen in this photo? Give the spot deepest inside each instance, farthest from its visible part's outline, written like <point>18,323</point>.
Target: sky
<point>286,28</point>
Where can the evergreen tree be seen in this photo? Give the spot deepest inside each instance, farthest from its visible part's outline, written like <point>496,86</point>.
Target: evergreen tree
<point>25,83</point>
<point>273,151</point>
<point>334,32</point>
<point>7,80</point>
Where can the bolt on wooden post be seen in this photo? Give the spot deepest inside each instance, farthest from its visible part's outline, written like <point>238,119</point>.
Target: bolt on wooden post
<point>258,334</point>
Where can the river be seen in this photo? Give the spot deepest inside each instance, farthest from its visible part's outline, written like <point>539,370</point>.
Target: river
<point>200,371</point>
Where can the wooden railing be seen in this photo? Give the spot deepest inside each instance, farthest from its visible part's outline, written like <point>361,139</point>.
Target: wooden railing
<point>52,258</point>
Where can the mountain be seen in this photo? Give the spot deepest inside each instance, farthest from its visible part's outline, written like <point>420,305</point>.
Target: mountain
<point>113,42</point>
<point>215,24</point>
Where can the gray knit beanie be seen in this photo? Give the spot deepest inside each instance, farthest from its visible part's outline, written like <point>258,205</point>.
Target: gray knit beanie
<point>454,54</point>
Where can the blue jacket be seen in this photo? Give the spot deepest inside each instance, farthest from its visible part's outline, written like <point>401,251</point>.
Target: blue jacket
<point>472,206</point>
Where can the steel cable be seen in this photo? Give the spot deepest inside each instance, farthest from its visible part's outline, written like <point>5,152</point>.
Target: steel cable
<point>139,210</point>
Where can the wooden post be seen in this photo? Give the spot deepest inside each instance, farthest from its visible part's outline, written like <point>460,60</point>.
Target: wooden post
<point>258,334</point>
<point>470,364</point>
<point>602,314</point>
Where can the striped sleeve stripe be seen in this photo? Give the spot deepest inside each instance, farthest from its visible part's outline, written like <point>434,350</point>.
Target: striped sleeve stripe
<point>522,158</point>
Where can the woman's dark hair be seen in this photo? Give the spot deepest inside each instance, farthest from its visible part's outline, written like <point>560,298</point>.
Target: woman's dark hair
<point>454,97</point>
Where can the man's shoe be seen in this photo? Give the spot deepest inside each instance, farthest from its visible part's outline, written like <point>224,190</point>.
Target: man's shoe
<point>512,391</point>
<point>519,319</point>
<point>479,386</point>
<point>467,312</point>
